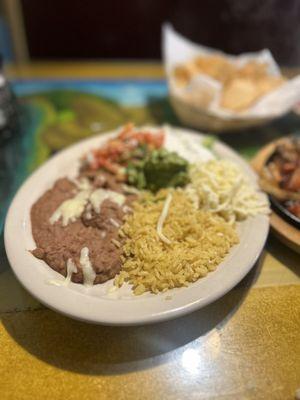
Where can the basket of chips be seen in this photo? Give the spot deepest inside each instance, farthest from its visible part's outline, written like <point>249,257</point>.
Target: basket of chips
<point>213,91</point>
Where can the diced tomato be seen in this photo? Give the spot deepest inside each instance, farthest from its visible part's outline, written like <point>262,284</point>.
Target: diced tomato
<point>94,165</point>
<point>111,154</point>
<point>159,139</point>
<point>155,139</point>
<point>114,168</point>
<point>126,131</point>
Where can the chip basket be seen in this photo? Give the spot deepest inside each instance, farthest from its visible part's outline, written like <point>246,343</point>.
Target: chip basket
<point>195,117</point>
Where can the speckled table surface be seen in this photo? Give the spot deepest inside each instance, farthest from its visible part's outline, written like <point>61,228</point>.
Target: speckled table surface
<point>246,345</point>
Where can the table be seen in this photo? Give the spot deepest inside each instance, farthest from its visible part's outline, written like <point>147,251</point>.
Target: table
<point>244,346</point>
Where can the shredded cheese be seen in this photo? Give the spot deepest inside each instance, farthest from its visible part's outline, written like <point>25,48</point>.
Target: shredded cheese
<point>71,267</point>
<point>89,274</point>
<point>82,183</point>
<point>130,189</point>
<point>220,187</point>
<point>162,219</point>
<point>127,209</point>
<point>100,195</point>
<point>114,222</point>
<point>116,243</point>
<point>71,209</point>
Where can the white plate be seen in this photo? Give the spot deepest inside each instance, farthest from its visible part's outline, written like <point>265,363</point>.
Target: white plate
<point>121,307</point>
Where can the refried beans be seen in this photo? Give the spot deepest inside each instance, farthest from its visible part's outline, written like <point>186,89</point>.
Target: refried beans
<point>97,230</point>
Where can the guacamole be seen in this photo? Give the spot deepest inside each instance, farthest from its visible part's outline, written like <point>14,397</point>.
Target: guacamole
<point>161,168</point>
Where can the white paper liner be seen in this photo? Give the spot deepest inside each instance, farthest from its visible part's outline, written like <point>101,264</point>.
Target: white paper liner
<point>177,49</point>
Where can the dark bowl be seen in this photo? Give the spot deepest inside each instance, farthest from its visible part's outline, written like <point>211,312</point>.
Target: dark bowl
<point>284,212</point>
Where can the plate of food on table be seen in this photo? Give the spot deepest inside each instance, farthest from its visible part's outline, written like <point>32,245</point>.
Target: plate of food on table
<point>137,225</point>
<point>278,166</point>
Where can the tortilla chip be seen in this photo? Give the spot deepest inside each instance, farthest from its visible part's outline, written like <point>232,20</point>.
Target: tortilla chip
<point>242,86</point>
<point>239,94</point>
<point>200,98</point>
<point>182,75</point>
<point>253,69</point>
<point>269,83</point>
<point>215,66</point>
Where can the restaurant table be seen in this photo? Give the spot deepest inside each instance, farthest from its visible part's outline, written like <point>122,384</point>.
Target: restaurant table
<point>245,345</point>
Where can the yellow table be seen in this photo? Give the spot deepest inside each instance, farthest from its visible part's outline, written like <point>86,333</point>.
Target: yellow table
<point>244,346</point>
